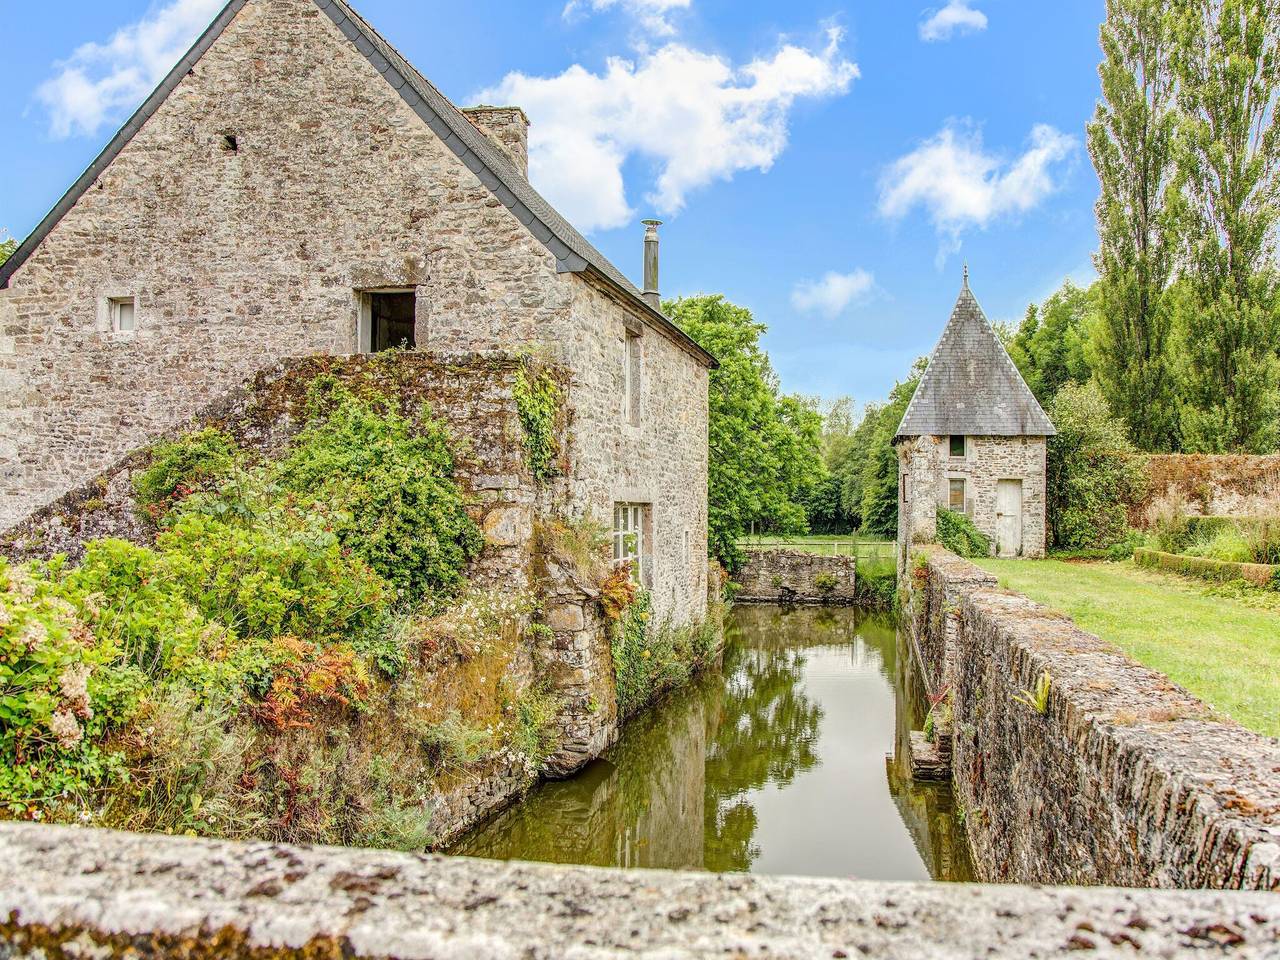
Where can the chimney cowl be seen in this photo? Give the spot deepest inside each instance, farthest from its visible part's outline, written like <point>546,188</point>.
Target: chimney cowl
<point>651,295</point>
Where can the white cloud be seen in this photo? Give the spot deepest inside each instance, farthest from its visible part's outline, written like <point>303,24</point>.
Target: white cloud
<point>956,17</point>
<point>103,81</point>
<point>961,185</point>
<point>833,293</point>
<point>694,115</point>
<point>654,15</point>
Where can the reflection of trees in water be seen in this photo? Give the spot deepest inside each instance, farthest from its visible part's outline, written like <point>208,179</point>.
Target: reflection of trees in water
<point>767,734</point>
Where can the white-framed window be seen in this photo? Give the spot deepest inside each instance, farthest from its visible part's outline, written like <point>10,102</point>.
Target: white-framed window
<point>631,366</point>
<point>629,537</point>
<point>122,312</point>
<point>955,494</point>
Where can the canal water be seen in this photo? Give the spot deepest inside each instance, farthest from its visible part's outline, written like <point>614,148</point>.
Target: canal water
<point>789,760</point>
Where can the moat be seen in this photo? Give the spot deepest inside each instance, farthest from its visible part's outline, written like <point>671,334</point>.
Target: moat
<point>789,760</point>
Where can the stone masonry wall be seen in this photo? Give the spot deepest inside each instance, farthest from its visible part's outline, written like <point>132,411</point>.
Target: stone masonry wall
<point>1125,779</point>
<point>241,258</point>
<point>928,465</point>
<point>69,893</point>
<point>792,576</point>
<point>1213,486</point>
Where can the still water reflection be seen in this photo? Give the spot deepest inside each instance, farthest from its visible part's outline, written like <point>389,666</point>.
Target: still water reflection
<point>790,760</point>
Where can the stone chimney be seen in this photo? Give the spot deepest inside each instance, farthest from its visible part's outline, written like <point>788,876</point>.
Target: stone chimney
<point>651,294</point>
<point>507,128</point>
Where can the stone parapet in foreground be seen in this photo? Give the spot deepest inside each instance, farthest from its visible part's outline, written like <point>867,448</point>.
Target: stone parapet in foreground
<point>95,893</point>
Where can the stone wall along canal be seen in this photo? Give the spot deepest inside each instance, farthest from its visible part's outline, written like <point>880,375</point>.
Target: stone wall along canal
<point>790,760</point>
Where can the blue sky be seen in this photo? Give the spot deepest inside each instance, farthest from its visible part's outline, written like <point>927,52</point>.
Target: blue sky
<point>828,163</point>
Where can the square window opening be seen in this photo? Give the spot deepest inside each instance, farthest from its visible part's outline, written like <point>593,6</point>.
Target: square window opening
<point>957,446</point>
<point>123,311</point>
<point>388,321</point>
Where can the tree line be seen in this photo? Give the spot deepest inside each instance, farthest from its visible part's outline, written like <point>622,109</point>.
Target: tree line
<point>1175,347</point>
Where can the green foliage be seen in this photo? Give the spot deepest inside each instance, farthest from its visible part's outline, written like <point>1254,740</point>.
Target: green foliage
<point>958,534</point>
<point>1049,346</point>
<point>57,695</point>
<point>538,402</point>
<point>1038,697</point>
<point>456,743</point>
<point>192,463</point>
<point>536,734</point>
<point>1131,141</point>
<point>1227,66</point>
<point>7,246</point>
<point>765,457</point>
<point>1092,473</point>
<point>826,583</point>
<point>877,588</point>
<point>1207,568</point>
<point>385,488</point>
<point>649,660</point>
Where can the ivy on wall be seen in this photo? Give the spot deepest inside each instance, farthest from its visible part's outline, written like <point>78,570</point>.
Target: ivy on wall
<point>538,402</point>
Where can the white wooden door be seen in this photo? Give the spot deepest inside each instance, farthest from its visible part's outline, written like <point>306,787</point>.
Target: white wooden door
<point>1009,518</point>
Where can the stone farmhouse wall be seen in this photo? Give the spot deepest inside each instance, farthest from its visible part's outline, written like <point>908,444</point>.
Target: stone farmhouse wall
<point>792,576</point>
<point>928,466</point>
<point>1226,485</point>
<point>78,893</point>
<point>240,258</point>
<point>1125,779</point>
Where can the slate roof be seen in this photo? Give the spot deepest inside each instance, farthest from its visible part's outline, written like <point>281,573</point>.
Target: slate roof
<point>573,252</point>
<point>971,386</point>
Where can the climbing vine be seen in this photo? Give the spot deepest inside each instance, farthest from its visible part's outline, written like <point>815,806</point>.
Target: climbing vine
<point>538,403</point>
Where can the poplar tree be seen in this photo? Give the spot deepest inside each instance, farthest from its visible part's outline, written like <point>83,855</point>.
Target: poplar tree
<point>1228,74</point>
<point>1131,141</point>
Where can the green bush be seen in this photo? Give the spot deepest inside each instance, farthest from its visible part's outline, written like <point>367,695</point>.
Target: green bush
<point>192,463</point>
<point>878,587</point>
<point>1259,575</point>
<point>1226,543</point>
<point>387,487</point>
<point>958,534</point>
<point>57,696</point>
<point>649,660</point>
<point>1093,474</point>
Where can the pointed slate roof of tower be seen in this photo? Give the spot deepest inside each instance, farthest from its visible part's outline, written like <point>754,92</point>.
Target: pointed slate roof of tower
<point>971,386</point>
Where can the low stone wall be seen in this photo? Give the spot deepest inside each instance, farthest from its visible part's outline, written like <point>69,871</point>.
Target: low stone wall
<point>792,576</point>
<point>1227,485</point>
<point>1125,779</point>
<point>69,893</point>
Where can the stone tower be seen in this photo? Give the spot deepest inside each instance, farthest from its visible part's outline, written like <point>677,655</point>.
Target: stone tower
<point>973,440</point>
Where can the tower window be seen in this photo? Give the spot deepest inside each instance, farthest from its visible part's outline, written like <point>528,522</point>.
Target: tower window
<point>123,311</point>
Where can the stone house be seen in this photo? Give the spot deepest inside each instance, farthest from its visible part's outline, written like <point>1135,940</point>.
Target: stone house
<point>973,440</point>
<point>295,187</point>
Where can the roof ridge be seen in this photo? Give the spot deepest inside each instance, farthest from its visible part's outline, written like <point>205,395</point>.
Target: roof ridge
<point>572,251</point>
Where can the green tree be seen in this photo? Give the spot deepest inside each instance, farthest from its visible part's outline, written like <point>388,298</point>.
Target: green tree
<point>1051,345</point>
<point>825,508</point>
<point>1093,472</point>
<point>879,474</point>
<point>765,456</point>
<point>1131,140</point>
<point>7,246</point>
<point>1228,71</point>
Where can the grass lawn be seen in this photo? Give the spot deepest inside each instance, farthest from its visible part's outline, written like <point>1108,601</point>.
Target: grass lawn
<point>1223,649</point>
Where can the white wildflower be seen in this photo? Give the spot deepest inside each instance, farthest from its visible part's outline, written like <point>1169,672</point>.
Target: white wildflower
<point>64,726</point>
<point>74,683</point>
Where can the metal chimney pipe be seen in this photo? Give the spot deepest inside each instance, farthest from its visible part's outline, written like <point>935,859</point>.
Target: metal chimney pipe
<point>651,263</point>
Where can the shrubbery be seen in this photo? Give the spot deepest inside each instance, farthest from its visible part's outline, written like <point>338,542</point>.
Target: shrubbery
<point>961,536</point>
<point>263,668</point>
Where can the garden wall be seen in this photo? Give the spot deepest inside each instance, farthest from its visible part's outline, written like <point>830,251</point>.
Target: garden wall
<point>91,893</point>
<point>1125,779</point>
<point>1207,485</point>
<point>793,576</point>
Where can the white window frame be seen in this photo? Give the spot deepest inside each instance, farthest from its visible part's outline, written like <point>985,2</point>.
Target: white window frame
<point>629,543</point>
<point>113,314</point>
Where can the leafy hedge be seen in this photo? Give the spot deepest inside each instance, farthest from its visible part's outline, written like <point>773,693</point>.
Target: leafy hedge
<point>1262,575</point>
<point>960,535</point>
